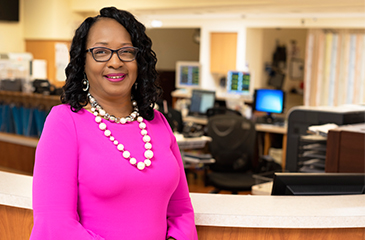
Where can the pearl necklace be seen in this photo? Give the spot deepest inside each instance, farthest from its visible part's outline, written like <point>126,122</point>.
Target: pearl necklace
<point>100,113</point>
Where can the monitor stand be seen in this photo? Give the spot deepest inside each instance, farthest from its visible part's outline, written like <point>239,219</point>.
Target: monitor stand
<point>270,119</point>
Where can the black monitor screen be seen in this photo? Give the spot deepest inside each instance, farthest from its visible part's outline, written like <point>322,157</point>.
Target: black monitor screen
<point>201,101</point>
<point>269,100</point>
<point>9,10</point>
<point>308,184</point>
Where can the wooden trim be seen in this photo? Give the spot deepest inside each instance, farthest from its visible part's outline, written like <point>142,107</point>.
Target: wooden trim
<point>35,100</point>
<point>212,233</point>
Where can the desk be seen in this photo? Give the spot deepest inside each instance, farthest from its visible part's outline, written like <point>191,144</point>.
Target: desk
<point>191,143</point>
<point>216,215</point>
<point>221,96</point>
<point>268,129</point>
<point>197,120</point>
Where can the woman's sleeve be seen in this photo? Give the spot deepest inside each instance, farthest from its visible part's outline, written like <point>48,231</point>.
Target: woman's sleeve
<point>55,181</point>
<point>180,212</point>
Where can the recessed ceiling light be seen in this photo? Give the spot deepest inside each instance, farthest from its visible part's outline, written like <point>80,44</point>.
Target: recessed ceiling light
<point>156,23</point>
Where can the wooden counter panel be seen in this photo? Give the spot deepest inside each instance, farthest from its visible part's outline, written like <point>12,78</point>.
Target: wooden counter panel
<point>15,223</point>
<point>231,233</point>
<point>17,157</point>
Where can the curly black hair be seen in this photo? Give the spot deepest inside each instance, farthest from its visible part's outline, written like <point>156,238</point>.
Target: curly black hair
<point>148,90</point>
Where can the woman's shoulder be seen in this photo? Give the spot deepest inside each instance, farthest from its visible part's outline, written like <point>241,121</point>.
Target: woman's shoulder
<point>64,109</point>
<point>61,108</point>
<point>159,117</point>
<point>64,112</point>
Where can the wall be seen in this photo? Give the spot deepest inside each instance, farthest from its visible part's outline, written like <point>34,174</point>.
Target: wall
<point>12,33</point>
<point>254,54</point>
<point>261,44</point>
<point>248,30</point>
<point>50,19</point>
<point>173,45</point>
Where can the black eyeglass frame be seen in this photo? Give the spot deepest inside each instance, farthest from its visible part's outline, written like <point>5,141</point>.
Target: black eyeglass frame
<point>113,51</point>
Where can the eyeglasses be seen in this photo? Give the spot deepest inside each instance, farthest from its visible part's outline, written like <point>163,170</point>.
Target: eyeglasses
<point>103,54</point>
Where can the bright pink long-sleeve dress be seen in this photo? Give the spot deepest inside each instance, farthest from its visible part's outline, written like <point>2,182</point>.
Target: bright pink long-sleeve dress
<point>83,188</point>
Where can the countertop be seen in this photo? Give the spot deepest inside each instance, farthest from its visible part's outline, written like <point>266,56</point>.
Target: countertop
<point>226,210</point>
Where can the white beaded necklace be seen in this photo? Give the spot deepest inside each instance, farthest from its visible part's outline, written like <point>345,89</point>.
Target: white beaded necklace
<point>100,113</point>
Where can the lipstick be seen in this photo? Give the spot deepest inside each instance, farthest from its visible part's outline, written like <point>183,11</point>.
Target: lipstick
<point>115,77</point>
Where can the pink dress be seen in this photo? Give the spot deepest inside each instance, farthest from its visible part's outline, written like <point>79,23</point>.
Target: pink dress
<point>83,188</point>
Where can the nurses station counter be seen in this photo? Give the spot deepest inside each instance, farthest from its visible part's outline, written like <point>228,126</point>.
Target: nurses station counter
<point>221,216</point>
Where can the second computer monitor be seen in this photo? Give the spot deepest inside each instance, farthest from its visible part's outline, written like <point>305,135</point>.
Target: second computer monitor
<point>238,82</point>
<point>188,75</point>
<point>201,101</point>
<point>269,101</point>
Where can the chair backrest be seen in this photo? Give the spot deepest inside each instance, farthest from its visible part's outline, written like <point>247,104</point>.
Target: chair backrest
<point>233,142</point>
<point>221,110</point>
<point>173,117</point>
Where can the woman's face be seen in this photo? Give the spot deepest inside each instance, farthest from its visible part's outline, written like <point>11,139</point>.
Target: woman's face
<point>114,78</point>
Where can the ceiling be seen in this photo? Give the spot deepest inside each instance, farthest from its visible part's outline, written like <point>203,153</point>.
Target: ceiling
<point>232,8</point>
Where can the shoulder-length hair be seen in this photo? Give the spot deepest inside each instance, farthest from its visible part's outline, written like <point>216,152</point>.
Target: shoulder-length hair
<point>147,92</point>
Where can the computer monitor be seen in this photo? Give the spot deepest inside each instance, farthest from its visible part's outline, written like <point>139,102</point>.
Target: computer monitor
<point>201,101</point>
<point>269,101</point>
<point>188,75</point>
<point>276,80</point>
<point>306,184</point>
<point>238,82</point>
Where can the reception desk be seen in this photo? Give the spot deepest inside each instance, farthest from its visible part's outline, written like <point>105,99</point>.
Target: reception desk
<point>222,216</point>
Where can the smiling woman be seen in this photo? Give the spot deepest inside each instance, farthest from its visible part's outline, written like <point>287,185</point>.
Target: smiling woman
<point>111,78</point>
<point>107,164</point>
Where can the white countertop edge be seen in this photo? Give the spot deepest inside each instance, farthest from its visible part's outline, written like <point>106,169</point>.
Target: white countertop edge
<point>16,201</point>
<point>314,222</point>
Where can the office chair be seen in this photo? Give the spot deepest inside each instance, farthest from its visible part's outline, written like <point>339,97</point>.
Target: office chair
<point>221,110</point>
<point>232,147</point>
<point>173,117</point>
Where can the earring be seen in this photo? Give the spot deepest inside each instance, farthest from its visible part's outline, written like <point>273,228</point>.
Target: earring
<point>85,84</point>
<point>135,86</point>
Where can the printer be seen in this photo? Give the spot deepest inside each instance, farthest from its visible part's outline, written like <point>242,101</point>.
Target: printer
<point>301,117</point>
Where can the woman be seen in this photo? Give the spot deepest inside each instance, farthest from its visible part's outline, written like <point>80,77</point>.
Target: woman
<point>107,165</point>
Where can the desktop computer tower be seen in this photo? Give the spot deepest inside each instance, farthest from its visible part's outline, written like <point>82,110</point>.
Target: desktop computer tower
<point>300,118</point>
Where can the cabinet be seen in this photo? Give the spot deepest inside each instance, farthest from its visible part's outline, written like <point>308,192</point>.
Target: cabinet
<point>346,149</point>
<point>223,52</point>
<point>46,49</point>
<point>22,117</point>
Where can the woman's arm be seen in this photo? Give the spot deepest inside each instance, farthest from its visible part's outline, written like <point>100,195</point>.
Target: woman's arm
<point>55,181</point>
<point>180,213</point>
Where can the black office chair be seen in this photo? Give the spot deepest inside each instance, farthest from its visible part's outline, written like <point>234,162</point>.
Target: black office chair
<point>221,110</point>
<point>232,147</point>
<point>173,117</point>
